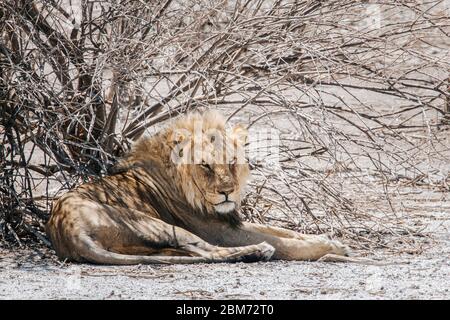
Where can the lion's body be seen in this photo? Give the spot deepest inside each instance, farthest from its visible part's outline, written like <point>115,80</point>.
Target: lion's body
<point>155,210</point>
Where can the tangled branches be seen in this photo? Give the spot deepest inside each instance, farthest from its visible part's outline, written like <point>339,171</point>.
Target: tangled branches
<point>357,91</point>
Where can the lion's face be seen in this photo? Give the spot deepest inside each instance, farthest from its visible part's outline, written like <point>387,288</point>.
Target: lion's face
<point>211,163</point>
<point>220,185</point>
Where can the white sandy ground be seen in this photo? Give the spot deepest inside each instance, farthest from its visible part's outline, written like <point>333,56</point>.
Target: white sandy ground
<point>32,275</point>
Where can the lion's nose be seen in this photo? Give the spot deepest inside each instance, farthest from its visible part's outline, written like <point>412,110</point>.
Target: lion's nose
<point>226,191</point>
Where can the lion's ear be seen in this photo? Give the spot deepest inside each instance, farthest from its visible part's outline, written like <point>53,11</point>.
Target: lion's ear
<point>176,138</point>
<point>240,134</point>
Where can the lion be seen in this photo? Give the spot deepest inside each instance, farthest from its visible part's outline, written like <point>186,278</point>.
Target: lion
<point>175,199</point>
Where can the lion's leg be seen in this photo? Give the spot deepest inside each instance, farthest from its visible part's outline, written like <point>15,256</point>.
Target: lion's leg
<point>297,247</point>
<point>155,232</point>
<point>117,235</point>
<point>280,232</point>
<point>97,254</point>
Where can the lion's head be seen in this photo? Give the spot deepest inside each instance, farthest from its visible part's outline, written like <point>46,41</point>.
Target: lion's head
<point>203,159</point>
<point>210,161</point>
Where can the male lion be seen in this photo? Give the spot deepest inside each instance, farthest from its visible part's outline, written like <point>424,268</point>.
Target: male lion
<point>175,199</point>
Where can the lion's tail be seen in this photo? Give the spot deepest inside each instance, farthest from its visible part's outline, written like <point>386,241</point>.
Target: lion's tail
<point>94,253</point>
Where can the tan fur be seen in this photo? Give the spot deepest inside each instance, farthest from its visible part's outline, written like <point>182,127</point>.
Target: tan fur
<point>170,202</point>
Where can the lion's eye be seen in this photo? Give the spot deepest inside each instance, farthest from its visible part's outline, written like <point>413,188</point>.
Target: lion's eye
<point>206,166</point>
<point>233,162</point>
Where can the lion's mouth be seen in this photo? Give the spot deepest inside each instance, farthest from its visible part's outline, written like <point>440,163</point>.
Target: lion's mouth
<point>225,207</point>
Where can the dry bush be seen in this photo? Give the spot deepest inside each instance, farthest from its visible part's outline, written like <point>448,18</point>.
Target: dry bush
<point>357,92</point>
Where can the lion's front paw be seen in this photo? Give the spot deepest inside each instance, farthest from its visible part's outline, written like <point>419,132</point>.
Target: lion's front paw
<point>259,252</point>
<point>251,253</point>
<point>266,251</point>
